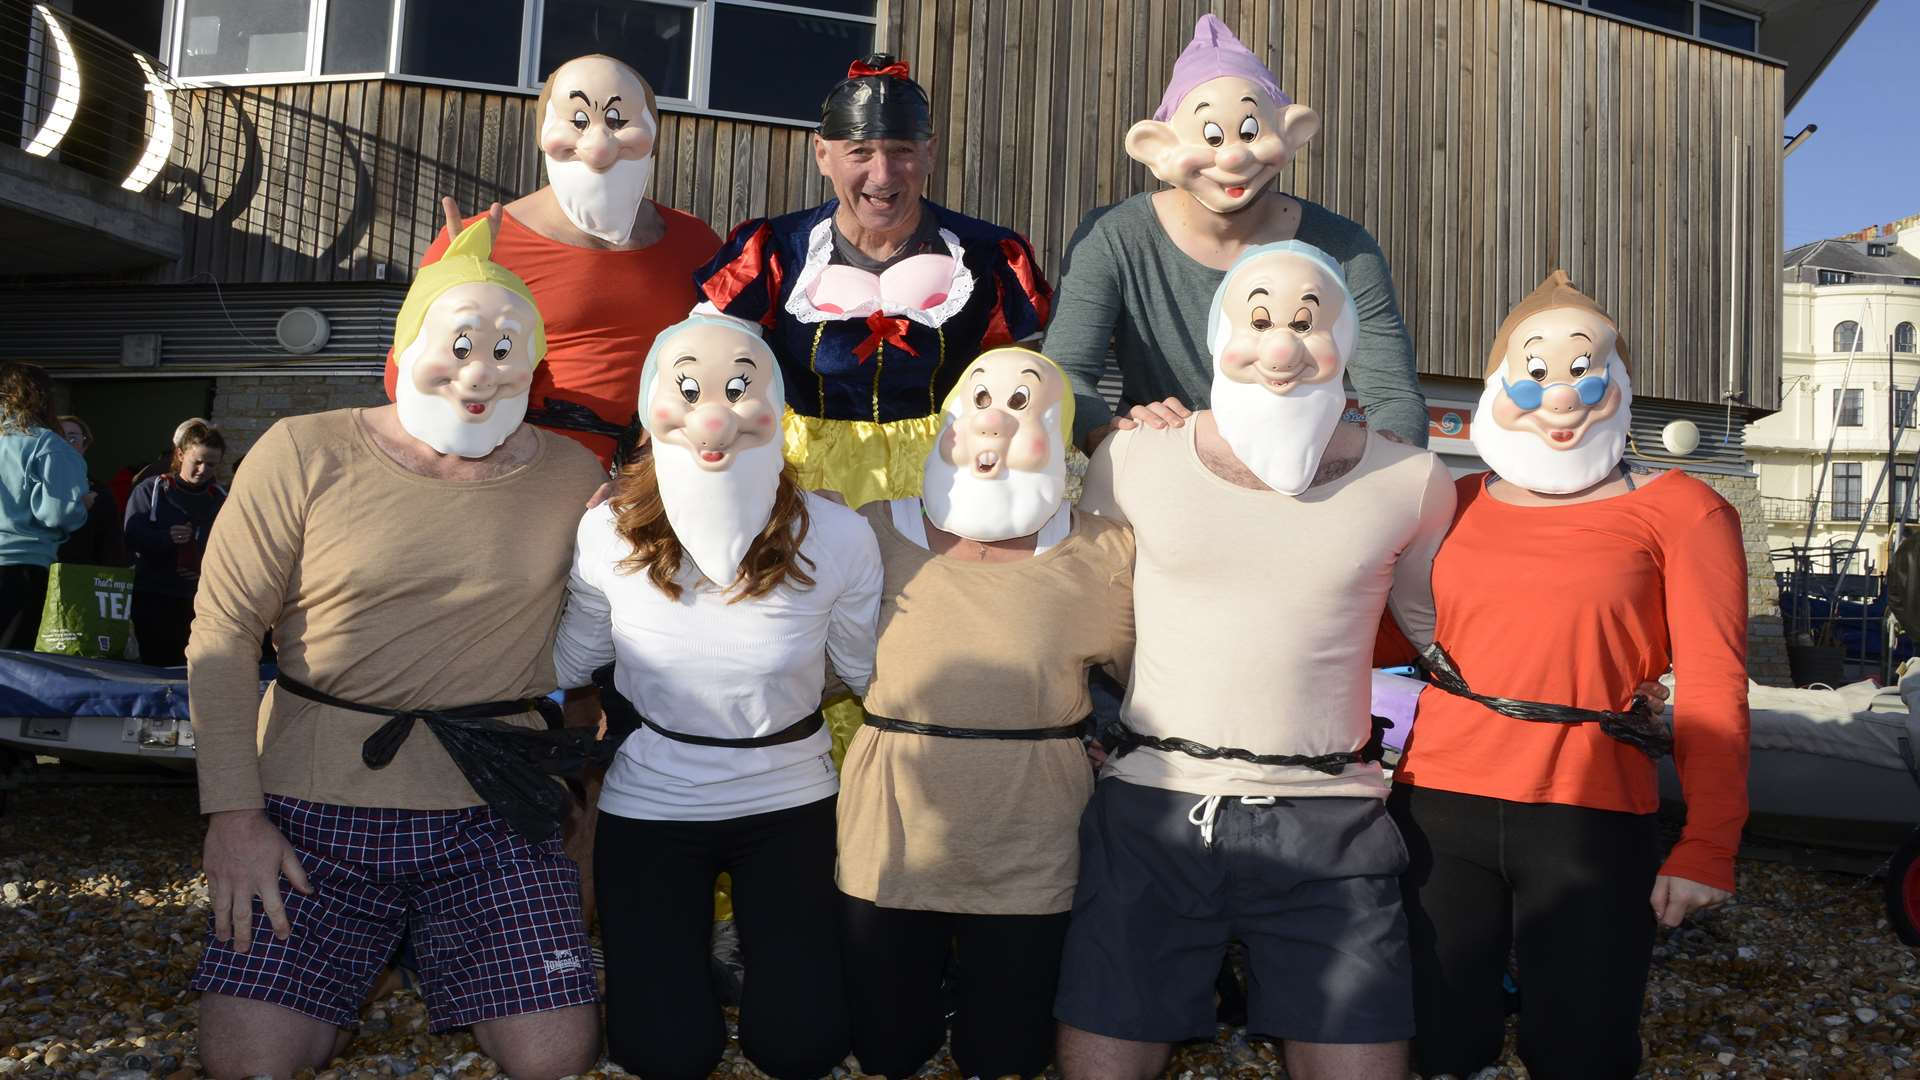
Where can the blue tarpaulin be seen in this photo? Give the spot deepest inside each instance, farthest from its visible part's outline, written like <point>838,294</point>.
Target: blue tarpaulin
<point>42,685</point>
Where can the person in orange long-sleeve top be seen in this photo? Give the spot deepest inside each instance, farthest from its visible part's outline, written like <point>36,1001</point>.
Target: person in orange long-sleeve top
<point>1567,580</point>
<point>609,268</point>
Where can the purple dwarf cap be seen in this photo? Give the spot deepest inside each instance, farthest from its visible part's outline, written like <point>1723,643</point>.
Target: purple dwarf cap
<point>1213,53</point>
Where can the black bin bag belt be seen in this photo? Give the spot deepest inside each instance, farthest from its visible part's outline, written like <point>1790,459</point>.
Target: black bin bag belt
<point>623,720</point>
<point>1638,727</point>
<point>511,768</point>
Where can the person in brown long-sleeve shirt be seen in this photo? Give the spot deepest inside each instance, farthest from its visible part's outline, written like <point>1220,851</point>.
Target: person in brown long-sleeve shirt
<point>961,797</point>
<point>394,576</point>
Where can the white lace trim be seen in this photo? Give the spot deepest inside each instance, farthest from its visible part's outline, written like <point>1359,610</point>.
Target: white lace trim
<point>820,253</point>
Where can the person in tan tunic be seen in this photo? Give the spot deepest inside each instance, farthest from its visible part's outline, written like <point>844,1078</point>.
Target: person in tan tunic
<point>961,796</point>
<point>410,562</point>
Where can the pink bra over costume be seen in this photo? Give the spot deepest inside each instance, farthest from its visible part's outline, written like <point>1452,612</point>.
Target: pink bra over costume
<point>918,283</point>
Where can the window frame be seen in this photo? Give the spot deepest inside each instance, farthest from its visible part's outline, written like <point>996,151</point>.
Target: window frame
<point>1859,337</point>
<point>1900,488</point>
<point>1692,33</point>
<point>699,75</point>
<point>1823,276</point>
<point>1911,341</point>
<point>1903,406</point>
<point>1854,503</point>
<point>1849,401</point>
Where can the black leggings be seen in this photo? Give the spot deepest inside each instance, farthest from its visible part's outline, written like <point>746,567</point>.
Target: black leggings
<point>1567,889</point>
<point>162,622</point>
<point>1009,967</point>
<point>653,881</point>
<point>23,593</point>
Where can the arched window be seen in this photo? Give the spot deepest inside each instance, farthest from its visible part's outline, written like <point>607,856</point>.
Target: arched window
<point>1846,336</point>
<point>1903,337</point>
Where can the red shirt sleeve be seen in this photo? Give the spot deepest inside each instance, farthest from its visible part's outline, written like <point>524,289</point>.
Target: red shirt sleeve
<point>1706,595</point>
<point>434,251</point>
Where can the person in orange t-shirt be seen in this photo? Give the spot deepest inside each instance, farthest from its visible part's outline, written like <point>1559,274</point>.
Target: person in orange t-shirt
<point>608,267</point>
<point>1567,581</point>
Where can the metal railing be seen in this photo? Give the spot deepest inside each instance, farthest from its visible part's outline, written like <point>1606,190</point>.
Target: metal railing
<point>1774,508</point>
<point>73,93</point>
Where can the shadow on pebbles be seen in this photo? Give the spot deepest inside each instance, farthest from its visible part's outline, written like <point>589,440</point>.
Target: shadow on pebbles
<point>103,908</point>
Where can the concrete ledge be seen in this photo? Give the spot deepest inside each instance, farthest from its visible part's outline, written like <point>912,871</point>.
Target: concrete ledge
<point>58,220</point>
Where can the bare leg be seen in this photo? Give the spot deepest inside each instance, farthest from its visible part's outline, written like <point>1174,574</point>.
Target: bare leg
<point>1085,1056</point>
<point>241,1038</point>
<point>543,1045</point>
<point>1346,1061</point>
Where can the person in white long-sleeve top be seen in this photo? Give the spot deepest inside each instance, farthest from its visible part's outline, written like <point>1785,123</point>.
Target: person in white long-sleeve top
<point>719,592</point>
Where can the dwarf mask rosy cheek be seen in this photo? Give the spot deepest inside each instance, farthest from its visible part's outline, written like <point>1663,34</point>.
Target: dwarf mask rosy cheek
<point>1008,415</point>
<point>597,113</point>
<point>1562,375</point>
<point>475,347</point>
<point>1225,143</point>
<point>713,394</point>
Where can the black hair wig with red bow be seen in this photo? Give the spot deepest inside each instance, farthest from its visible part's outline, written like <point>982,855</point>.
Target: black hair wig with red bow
<point>877,100</point>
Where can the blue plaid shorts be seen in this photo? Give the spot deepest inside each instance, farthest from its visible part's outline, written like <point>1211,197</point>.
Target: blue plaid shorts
<point>494,920</point>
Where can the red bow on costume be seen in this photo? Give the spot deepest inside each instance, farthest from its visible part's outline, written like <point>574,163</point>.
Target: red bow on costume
<point>860,68</point>
<point>884,330</point>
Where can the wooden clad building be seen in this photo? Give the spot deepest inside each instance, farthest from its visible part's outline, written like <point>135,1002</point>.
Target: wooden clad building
<point>1484,142</point>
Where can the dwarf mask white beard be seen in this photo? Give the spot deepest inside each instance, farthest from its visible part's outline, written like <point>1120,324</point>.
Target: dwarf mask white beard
<point>1280,437</point>
<point>716,516</point>
<point>1524,458</point>
<point>601,204</point>
<point>1015,503</point>
<point>443,425</point>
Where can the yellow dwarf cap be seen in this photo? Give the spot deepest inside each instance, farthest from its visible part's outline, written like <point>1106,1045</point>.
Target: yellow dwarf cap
<point>468,260</point>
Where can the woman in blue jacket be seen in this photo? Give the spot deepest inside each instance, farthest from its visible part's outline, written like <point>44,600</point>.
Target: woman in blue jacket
<point>43,497</point>
<point>168,519</point>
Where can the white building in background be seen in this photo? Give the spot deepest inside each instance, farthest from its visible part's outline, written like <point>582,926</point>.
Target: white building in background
<point>1853,299</point>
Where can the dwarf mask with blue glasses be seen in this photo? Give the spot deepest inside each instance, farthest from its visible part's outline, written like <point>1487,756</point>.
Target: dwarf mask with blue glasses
<point>1556,410</point>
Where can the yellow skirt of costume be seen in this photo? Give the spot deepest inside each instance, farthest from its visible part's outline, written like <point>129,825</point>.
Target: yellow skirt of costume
<point>863,460</point>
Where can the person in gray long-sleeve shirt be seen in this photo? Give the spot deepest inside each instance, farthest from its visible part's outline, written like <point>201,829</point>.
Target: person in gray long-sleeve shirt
<point>1127,282</point>
<point>1140,275</point>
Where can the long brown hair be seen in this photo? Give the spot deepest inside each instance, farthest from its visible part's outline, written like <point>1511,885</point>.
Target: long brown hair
<point>26,398</point>
<point>640,517</point>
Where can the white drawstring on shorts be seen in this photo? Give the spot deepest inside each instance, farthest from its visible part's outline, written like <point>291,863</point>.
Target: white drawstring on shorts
<point>1208,807</point>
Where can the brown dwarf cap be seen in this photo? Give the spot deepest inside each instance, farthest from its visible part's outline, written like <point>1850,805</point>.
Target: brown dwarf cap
<point>1555,292</point>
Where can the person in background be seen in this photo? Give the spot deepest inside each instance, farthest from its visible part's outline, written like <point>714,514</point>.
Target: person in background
<point>168,518</point>
<point>1138,274</point>
<point>98,542</point>
<point>43,497</point>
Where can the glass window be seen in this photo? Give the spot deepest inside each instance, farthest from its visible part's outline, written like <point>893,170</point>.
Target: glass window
<point>1848,405</point>
<point>657,39</point>
<point>1903,408</point>
<point>357,34</point>
<point>1846,336</point>
<point>1846,489</point>
<point>1834,277</point>
<point>243,37</point>
<point>780,63</point>
<point>1877,250</point>
<point>1903,337</point>
<point>1729,28</point>
<point>1902,493</point>
<point>469,40</point>
<point>1675,15</point>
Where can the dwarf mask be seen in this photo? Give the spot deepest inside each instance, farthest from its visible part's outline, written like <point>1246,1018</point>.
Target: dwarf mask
<point>465,345</point>
<point>1556,410</point>
<point>999,467</point>
<point>1281,330</point>
<point>711,396</point>
<point>597,127</point>
<point>1224,129</point>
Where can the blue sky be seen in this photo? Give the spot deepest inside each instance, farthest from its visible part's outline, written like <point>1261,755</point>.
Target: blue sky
<point>1863,166</point>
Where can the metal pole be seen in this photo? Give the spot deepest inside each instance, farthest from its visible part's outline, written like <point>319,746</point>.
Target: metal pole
<point>1893,528</point>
